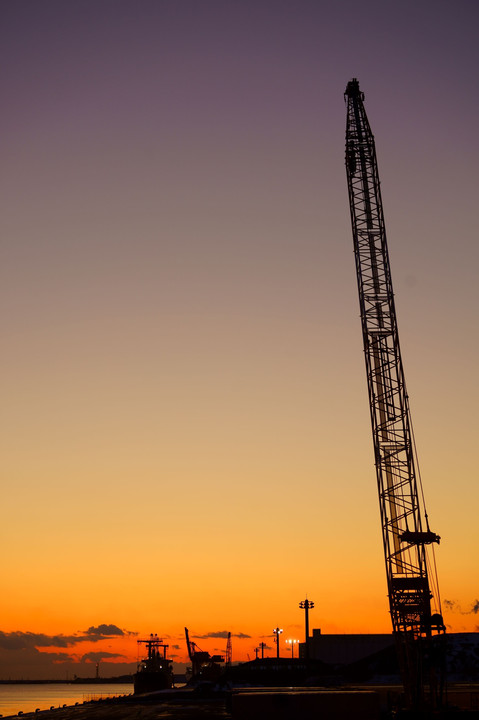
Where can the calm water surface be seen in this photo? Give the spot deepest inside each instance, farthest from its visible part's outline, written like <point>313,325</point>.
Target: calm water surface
<point>28,698</point>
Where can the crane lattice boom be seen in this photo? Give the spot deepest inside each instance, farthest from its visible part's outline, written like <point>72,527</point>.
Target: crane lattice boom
<point>405,529</point>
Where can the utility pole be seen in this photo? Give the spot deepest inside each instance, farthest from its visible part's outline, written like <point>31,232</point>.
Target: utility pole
<point>306,605</point>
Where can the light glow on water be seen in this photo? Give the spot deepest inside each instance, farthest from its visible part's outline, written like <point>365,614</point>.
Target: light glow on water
<point>27,697</point>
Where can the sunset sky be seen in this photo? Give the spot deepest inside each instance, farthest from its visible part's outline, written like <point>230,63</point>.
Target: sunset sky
<point>185,434</point>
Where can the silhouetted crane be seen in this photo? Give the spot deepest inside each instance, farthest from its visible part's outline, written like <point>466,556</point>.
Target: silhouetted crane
<point>229,651</point>
<point>203,665</point>
<point>405,528</point>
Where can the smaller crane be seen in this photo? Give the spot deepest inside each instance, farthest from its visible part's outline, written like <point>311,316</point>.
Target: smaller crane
<point>229,651</point>
<point>203,665</point>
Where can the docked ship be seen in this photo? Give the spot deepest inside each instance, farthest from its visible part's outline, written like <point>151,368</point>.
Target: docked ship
<point>154,671</point>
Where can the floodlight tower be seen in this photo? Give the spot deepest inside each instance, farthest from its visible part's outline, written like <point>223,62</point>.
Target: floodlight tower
<point>277,632</point>
<point>306,605</point>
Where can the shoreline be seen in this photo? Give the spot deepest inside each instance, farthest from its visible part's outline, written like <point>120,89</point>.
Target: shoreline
<point>192,704</point>
<point>117,680</point>
<point>165,704</point>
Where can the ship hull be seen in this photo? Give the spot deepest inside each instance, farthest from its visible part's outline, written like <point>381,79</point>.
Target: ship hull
<point>150,681</point>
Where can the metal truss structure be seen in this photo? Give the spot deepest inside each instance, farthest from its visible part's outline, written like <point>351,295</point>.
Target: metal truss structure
<point>405,529</point>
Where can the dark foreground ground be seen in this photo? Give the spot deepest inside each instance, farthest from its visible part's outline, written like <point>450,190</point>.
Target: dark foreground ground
<point>134,709</point>
<point>360,703</point>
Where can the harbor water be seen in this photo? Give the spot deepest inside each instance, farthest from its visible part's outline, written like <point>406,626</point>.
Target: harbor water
<point>26,697</point>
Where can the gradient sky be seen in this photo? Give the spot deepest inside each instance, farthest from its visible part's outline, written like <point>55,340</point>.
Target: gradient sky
<point>185,427</point>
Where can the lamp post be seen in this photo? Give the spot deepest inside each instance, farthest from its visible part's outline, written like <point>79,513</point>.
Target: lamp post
<point>262,646</point>
<point>292,643</point>
<point>306,605</point>
<point>277,632</point>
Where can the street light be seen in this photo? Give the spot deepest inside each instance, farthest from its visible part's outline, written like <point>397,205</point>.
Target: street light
<point>292,643</point>
<point>277,632</point>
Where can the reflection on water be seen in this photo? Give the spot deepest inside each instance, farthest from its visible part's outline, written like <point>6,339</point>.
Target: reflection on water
<point>28,698</point>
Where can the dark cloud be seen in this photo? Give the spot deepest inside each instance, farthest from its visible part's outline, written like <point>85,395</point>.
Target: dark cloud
<point>95,657</point>
<point>32,664</point>
<point>217,634</point>
<point>28,654</point>
<point>221,634</point>
<point>23,640</point>
<point>176,647</point>
<point>55,658</point>
<point>28,662</point>
<point>454,606</point>
<point>104,631</point>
